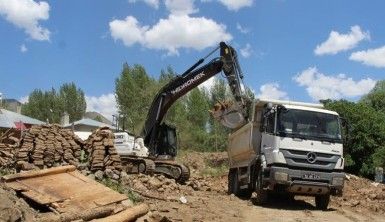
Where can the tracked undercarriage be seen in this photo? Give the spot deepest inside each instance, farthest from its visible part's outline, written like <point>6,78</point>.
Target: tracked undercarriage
<point>150,166</point>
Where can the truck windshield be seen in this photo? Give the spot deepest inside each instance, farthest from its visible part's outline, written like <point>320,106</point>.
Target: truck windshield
<point>309,125</point>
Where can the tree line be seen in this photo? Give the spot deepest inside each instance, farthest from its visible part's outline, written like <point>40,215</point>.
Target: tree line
<point>50,106</point>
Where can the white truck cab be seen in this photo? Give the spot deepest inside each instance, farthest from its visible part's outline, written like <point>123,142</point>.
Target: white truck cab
<point>287,147</point>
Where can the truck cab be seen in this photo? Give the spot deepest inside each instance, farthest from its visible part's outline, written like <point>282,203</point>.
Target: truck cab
<point>288,147</point>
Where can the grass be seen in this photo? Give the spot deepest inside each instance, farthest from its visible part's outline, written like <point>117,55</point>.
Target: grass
<point>215,170</point>
<point>118,187</point>
<point>4,171</point>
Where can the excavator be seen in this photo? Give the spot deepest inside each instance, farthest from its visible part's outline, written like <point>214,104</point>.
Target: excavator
<point>160,138</point>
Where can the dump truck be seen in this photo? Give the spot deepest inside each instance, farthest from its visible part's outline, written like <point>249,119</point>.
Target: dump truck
<point>287,147</point>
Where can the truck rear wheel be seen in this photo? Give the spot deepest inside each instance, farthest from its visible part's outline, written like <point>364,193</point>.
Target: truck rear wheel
<point>322,201</point>
<point>262,195</point>
<point>231,181</point>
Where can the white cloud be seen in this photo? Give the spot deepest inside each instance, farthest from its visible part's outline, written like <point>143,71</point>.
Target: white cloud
<point>104,104</point>
<point>26,15</point>
<point>341,42</point>
<point>242,29</point>
<point>128,30</point>
<point>321,86</point>
<point>235,5</point>
<point>23,48</point>
<point>246,51</point>
<point>152,3</point>
<point>171,34</point>
<point>370,57</point>
<point>24,99</point>
<point>271,91</point>
<point>180,7</point>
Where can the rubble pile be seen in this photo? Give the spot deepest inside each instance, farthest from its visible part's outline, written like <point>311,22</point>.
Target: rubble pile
<point>362,193</point>
<point>154,184</point>
<point>48,146</point>
<point>102,153</point>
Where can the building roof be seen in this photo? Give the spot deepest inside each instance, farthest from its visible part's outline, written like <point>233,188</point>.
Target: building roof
<point>89,122</point>
<point>9,119</point>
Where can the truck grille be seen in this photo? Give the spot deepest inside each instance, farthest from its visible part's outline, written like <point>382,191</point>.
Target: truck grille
<point>306,159</point>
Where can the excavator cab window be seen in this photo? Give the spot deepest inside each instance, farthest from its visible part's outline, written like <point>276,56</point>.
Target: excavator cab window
<point>168,141</point>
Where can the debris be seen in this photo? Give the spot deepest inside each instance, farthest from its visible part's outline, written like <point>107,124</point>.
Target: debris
<point>183,199</point>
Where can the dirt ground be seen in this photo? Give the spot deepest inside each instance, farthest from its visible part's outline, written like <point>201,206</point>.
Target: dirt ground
<point>363,200</point>
<point>204,198</point>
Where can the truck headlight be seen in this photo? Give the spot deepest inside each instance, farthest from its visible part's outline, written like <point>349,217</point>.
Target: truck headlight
<point>279,176</point>
<point>338,181</point>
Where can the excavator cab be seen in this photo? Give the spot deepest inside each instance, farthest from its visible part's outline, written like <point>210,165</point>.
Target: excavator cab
<point>167,141</point>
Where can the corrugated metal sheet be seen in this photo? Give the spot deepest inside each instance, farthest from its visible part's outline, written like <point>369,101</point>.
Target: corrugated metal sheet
<point>9,118</point>
<point>89,122</point>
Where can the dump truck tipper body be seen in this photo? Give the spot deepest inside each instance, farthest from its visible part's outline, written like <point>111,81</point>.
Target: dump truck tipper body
<point>287,147</point>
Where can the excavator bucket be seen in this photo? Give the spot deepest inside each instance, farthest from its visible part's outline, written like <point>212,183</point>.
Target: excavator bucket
<point>228,114</point>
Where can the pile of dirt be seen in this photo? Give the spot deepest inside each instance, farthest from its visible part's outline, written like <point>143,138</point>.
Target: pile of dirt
<point>362,194</point>
<point>48,146</point>
<point>198,161</point>
<point>101,151</point>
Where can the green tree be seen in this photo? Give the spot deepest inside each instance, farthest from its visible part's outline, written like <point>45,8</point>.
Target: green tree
<point>376,97</point>
<point>51,105</point>
<point>134,90</point>
<point>44,106</point>
<point>365,146</point>
<point>73,101</point>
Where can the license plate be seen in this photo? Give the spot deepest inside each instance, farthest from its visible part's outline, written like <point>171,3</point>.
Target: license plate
<point>311,176</point>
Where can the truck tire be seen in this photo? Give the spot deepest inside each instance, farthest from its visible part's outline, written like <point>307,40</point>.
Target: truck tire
<point>322,201</point>
<point>231,181</point>
<point>262,195</point>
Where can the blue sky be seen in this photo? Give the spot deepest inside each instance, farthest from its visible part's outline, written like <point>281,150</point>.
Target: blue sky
<point>297,50</point>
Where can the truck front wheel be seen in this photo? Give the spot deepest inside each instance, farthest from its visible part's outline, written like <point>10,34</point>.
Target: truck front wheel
<point>262,195</point>
<point>322,201</point>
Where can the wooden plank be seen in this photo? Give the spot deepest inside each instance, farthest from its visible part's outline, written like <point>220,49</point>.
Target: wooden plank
<point>38,173</point>
<point>64,189</point>
<point>16,186</point>
<point>39,198</point>
<point>129,214</point>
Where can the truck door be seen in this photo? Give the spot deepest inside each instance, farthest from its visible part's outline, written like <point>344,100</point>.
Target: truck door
<point>268,136</point>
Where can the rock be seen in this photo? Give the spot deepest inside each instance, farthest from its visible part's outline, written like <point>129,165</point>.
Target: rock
<point>154,183</point>
<point>99,175</point>
<point>91,176</point>
<point>115,177</point>
<point>127,203</point>
<point>109,173</point>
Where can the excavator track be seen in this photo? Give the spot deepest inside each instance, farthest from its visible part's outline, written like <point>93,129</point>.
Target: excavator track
<point>134,164</point>
<point>172,169</point>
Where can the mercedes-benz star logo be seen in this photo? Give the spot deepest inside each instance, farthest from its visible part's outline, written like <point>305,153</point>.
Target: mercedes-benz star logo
<point>311,157</point>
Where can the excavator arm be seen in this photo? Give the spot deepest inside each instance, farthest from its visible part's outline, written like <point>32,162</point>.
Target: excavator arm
<point>160,138</point>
